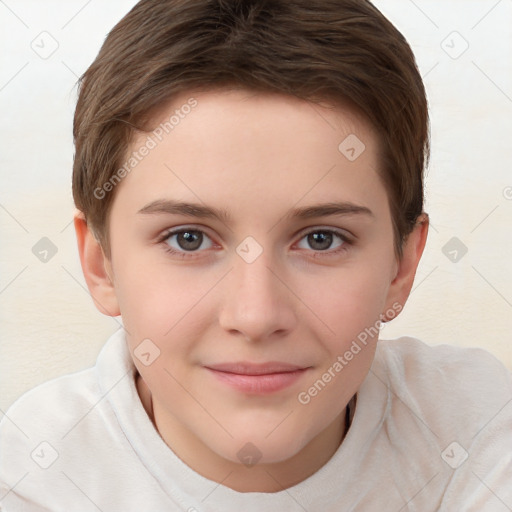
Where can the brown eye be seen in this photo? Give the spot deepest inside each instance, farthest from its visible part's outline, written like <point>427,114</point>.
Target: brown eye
<point>322,240</point>
<point>188,240</point>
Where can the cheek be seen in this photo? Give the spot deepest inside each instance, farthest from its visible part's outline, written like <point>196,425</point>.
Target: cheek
<point>156,299</point>
<point>166,313</point>
<point>145,302</point>
<point>350,301</point>
<point>350,307</point>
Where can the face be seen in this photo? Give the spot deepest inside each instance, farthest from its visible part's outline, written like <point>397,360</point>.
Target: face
<point>250,250</point>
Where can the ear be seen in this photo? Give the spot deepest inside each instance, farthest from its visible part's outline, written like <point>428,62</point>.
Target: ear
<point>96,267</point>
<point>401,285</point>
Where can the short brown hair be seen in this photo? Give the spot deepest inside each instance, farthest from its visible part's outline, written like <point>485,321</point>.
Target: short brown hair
<point>342,50</point>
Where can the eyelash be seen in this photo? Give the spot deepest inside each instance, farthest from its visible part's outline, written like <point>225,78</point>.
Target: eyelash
<point>316,253</point>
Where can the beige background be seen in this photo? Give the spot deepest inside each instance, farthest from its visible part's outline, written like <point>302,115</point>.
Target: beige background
<point>48,324</point>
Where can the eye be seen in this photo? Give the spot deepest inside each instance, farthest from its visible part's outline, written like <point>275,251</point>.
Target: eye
<point>187,240</point>
<point>323,240</point>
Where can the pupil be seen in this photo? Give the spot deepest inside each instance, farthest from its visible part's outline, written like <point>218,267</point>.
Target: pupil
<point>320,240</point>
<point>189,240</point>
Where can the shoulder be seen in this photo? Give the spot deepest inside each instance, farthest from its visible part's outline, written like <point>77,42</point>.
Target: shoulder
<point>54,407</point>
<point>51,399</point>
<point>49,428</point>
<point>58,429</point>
<point>458,403</point>
<point>449,410</point>
<point>32,432</point>
<point>64,437</point>
<point>46,409</point>
<point>457,392</point>
<point>430,370</point>
<point>444,380</point>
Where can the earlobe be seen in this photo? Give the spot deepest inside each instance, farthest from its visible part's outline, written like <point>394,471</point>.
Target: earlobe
<point>96,268</point>
<point>401,285</point>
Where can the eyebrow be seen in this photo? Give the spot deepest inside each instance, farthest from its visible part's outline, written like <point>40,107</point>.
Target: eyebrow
<point>171,207</point>
<point>323,210</point>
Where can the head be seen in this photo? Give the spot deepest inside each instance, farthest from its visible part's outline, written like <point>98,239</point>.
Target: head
<point>249,177</point>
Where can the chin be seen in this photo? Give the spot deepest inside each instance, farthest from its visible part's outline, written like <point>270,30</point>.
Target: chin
<point>250,450</point>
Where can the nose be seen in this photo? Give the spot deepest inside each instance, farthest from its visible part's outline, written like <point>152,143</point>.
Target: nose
<point>256,303</point>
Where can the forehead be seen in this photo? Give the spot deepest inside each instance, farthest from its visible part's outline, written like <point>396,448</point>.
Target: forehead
<point>242,149</point>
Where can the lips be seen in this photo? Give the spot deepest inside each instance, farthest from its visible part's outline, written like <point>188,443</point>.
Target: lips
<point>257,379</point>
<point>243,368</point>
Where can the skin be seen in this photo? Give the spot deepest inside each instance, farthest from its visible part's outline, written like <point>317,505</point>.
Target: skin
<point>257,156</point>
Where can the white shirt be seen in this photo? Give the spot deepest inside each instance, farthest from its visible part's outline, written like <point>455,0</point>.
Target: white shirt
<point>432,431</point>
